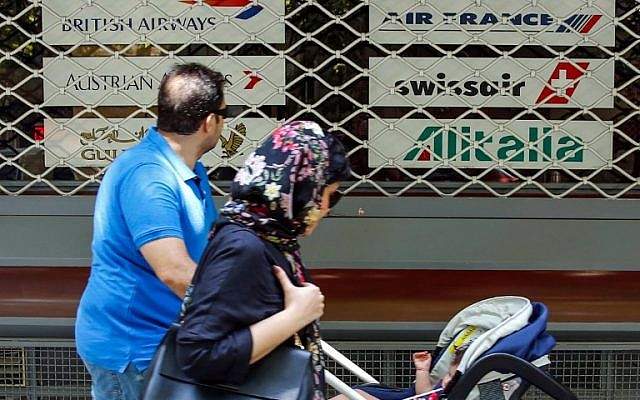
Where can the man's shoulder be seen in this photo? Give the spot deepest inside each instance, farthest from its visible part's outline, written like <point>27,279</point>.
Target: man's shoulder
<point>140,161</point>
<point>137,155</point>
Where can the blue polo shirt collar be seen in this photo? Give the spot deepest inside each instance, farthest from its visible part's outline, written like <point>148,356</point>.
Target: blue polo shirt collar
<point>174,159</point>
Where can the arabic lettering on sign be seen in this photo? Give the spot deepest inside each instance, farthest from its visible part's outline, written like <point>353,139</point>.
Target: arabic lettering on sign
<point>110,135</point>
<point>93,142</point>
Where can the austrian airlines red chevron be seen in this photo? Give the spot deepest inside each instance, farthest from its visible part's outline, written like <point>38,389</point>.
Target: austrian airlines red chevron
<point>254,79</point>
<point>220,3</point>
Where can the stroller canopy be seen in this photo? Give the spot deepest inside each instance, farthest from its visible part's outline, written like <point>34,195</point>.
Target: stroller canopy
<point>485,326</point>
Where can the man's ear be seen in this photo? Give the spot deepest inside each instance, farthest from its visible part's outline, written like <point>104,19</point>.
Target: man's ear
<point>212,120</point>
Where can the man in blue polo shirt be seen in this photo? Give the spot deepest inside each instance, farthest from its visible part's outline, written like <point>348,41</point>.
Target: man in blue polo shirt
<point>153,213</point>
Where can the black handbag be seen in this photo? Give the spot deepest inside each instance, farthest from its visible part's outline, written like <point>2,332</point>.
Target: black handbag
<point>284,374</point>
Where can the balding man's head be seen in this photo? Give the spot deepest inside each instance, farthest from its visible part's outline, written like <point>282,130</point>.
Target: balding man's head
<point>188,94</point>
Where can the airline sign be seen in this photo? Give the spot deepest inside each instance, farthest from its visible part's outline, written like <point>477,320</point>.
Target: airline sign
<point>498,22</point>
<point>101,81</point>
<point>479,143</point>
<point>93,142</point>
<point>68,22</point>
<point>491,82</point>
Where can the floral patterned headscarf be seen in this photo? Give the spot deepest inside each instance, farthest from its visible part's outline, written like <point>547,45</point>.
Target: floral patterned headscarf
<point>280,183</point>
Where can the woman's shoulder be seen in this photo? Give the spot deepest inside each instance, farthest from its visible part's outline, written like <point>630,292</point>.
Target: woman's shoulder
<point>230,234</point>
<point>236,256</point>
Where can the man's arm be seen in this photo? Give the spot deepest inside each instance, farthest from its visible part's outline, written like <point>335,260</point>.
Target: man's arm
<point>171,262</point>
<point>151,209</point>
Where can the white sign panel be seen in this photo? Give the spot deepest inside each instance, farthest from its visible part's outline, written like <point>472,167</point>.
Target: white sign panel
<point>491,82</point>
<point>68,22</point>
<point>102,81</point>
<point>479,143</point>
<point>499,22</point>
<point>92,142</point>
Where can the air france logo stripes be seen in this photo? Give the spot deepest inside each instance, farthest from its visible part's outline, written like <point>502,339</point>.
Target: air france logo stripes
<point>581,23</point>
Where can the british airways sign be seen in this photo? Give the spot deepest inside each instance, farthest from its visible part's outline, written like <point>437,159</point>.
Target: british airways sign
<point>499,22</point>
<point>68,22</point>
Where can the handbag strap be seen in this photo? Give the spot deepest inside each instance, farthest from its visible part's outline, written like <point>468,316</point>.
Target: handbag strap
<point>312,336</point>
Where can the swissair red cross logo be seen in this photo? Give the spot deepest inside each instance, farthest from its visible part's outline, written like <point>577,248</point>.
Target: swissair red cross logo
<point>563,82</point>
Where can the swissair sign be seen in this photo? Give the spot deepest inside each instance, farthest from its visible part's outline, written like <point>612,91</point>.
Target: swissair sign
<point>483,82</point>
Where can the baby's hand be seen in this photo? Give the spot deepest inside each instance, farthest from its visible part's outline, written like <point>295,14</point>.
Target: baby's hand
<point>422,360</point>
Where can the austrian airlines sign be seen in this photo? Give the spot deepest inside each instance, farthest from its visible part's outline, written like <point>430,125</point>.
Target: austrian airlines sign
<point>102,81</point>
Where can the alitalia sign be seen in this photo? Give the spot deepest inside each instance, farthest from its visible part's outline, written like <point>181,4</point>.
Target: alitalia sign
<point>479,143</point>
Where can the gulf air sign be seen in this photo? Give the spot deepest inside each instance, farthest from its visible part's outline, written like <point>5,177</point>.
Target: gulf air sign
<point>498,22</point>
<point>491,82</point>
<point>95,142</point>
<point>69,22</point>
<point>131,81</point>
<point>479,143</point>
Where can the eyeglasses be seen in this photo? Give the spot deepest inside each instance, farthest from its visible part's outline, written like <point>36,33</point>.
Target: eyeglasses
<point>224,112</point>
<point>334,198</point>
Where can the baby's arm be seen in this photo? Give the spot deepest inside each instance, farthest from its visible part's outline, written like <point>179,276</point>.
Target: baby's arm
<point>422,362</point>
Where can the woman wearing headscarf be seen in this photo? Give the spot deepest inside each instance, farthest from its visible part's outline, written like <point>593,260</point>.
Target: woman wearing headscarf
<point>251,292</point>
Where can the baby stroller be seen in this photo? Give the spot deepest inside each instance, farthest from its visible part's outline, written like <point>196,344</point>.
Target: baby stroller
<point>507,349</point>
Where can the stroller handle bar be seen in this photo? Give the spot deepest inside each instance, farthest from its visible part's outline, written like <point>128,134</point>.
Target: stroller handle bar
<point>507,363</point>
<point>348,364</point>
<point>341,387</point>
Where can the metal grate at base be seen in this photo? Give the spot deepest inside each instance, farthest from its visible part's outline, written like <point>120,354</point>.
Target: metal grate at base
<point>42,370</point>
<point>37,370</point>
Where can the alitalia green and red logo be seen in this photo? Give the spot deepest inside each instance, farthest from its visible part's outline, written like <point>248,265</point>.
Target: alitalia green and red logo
<point>469,144</point>
<point>482,143</point>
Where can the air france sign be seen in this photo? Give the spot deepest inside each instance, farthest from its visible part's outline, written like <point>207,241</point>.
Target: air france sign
<point>108,81</point>
<point>479,143</point>
<point>69,22</point>
<point>498,22</point>
<point>491,82</point>
<point>94,142</point>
